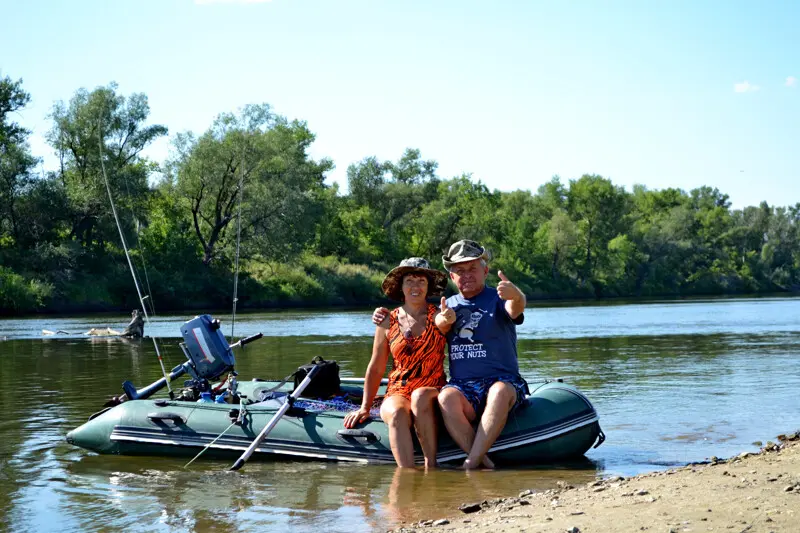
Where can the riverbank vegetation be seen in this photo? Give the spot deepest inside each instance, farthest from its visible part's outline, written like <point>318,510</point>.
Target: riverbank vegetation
<point>306,242</point>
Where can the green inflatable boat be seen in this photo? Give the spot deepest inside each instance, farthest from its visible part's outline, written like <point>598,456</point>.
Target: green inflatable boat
<point>555,423</point>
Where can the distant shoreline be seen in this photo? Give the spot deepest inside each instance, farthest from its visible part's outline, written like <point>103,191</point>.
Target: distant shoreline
<point>533,302</point>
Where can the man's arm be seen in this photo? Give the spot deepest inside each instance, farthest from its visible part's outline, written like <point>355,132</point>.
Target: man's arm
<point>379,315</point>
<point>445,317</point>
<point>515,300</point>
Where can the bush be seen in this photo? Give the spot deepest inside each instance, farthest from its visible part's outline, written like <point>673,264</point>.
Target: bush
<point>20,295</point>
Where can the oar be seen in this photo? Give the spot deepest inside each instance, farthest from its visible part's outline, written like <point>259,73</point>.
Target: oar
<point>272,423</point>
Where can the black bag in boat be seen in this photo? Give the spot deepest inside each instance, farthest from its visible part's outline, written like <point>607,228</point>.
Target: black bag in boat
<point>325,384</point>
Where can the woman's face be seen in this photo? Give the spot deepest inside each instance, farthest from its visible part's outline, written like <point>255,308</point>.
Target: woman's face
<point>415,287</point>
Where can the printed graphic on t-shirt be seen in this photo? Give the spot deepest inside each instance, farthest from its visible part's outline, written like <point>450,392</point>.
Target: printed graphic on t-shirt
<point>467,321</point>
<point>470,325</point>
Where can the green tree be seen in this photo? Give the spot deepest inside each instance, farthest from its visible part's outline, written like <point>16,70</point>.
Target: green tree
<point>282,185</point>
<point>16,162</point>
<point>561,237</point>
<point>91,120</point>
<point>384,200</point>
<point>600,209</point>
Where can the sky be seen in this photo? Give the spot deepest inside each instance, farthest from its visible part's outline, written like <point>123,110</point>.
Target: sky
<point>660,93</point>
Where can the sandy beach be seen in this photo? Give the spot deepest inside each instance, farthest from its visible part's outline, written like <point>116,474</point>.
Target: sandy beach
<point>751,492</point>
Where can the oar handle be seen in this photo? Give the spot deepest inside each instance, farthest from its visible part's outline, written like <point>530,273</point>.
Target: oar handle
<point>274,422</point>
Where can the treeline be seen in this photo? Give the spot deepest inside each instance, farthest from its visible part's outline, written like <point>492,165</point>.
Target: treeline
<point>303,242</point>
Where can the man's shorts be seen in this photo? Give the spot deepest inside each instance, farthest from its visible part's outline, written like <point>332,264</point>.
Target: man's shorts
<point>476,390</point>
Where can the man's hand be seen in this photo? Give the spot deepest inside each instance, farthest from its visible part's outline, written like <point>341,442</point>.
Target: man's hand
<point>447,314</point>
<point>379,315</point>
<point>507,290</point>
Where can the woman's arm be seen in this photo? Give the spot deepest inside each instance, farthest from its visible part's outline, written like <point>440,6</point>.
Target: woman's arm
<point>375,371</point>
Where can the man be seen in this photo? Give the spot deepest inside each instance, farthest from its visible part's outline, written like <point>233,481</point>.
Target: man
<point>484,384</point>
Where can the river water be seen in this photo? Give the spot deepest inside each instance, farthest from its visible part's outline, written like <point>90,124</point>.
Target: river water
<point>673,382</point>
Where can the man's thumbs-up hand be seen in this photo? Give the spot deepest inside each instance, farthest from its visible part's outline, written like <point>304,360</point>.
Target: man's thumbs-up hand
<point>446,312</point>
<point>507,290</point>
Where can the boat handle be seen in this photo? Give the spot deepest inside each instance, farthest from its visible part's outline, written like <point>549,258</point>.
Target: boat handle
<point>601,438</point>
<point>358,434</point>
<point>167,417</point>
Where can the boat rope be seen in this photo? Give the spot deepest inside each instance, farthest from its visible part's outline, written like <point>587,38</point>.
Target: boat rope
<point>238,420</point>
<point>240,193</point>
<point>128,256</point>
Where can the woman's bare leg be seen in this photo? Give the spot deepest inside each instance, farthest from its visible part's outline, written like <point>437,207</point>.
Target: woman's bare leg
<point>396,412</point>
<point>423,406</point>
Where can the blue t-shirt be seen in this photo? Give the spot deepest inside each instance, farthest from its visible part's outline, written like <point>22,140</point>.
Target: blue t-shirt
<point>483,339</point>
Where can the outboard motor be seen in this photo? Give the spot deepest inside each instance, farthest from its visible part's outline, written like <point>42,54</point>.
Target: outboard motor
<point>206,348</point>
<point>208,354</point>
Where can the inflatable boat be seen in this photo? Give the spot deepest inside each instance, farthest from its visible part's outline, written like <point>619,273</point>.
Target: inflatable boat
<point>226,417</point>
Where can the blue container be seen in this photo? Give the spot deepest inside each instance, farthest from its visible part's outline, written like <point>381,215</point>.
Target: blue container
<point>221,397</point>
<point>205,397</point>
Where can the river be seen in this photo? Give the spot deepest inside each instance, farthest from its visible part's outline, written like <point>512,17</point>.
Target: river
<point>673,382</point>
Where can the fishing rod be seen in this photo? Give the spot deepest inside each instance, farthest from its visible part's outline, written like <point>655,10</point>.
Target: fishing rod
<point>128,257</point>
<point>238,241</point>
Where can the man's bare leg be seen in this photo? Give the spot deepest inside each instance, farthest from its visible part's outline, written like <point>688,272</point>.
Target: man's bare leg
<point>500,400</point>
<point>458,415</point>
<point>423,403</point>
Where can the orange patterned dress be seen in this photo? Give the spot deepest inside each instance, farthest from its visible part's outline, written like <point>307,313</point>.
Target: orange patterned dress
<point>416,361</point>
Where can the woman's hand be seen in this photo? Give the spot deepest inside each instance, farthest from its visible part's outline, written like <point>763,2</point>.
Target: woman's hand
<point>353,418</point>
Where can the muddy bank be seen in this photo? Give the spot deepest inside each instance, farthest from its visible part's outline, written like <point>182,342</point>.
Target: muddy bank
<point>752,492</point>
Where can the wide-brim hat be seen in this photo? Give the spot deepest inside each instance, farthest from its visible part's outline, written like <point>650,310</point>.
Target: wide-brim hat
<point>393,282</point>
<point>463,251</point>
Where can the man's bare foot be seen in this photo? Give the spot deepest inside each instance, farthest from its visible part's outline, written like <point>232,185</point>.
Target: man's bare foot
<point>470,465</point>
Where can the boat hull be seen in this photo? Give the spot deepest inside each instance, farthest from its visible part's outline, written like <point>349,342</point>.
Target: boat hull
<point>555,423</point>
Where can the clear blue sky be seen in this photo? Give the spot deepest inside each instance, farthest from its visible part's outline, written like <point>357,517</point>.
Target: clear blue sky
<point>663,93</point>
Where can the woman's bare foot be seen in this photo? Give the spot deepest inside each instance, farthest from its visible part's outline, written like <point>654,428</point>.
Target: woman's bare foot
<point>430,465</point>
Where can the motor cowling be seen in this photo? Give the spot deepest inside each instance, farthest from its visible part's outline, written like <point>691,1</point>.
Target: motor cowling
<point>209,354</point>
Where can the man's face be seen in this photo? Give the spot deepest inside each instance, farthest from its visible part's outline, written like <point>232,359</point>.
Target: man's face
<point>469,277</point>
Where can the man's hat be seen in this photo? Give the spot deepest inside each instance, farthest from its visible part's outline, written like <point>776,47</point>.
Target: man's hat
<point>463,251</point>
<point>393,282</point>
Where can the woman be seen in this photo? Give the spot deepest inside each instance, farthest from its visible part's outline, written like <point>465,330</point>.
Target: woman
<point>417,348</point>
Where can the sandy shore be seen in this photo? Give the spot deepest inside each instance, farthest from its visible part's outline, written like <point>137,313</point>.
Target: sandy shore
<point>752,492</point>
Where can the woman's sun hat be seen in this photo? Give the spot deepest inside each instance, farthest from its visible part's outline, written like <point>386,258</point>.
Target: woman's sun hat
<point>393,282</point>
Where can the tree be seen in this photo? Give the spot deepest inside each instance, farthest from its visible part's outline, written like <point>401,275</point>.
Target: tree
<point>281,184</point>
<point>661,230</point>
<point>600,209</point>
<point>562,236</point>
<point>463,209</point>
<point>103,124</point>
<point>384,200</point>
<point>16,163</point>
